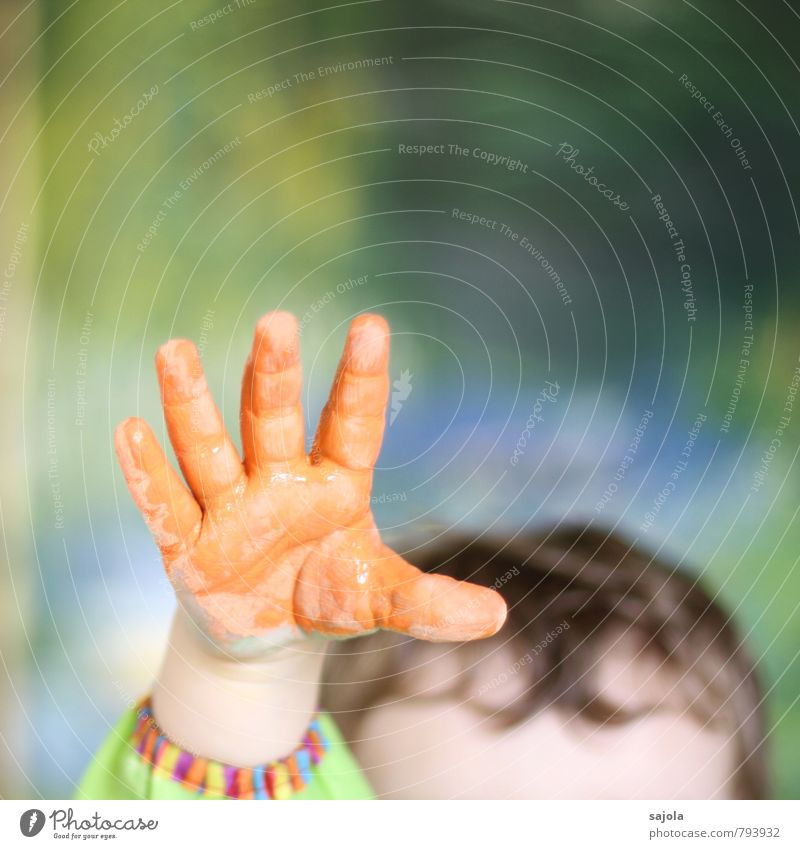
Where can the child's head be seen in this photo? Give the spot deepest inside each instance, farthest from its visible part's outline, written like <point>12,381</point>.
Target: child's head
<point>615,676</point>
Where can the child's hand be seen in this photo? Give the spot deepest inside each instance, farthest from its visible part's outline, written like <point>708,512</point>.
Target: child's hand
<point>282,544</point>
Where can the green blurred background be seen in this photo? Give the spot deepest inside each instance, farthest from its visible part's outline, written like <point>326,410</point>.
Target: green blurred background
<point>179,169</point>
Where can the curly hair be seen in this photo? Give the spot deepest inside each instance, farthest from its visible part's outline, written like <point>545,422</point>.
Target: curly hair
<point>571,593</point>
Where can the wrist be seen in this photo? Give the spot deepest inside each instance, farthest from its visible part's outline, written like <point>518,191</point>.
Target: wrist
<point>240,712</point>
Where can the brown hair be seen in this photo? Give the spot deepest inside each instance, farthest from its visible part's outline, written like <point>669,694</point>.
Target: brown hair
<point>569,593</point>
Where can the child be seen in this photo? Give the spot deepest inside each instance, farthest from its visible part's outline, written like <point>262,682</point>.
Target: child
<point>613,677</point>
<point>272,554</point>
<point>269,554</point>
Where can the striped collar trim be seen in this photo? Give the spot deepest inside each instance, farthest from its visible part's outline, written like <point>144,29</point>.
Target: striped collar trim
<point>279,779</point>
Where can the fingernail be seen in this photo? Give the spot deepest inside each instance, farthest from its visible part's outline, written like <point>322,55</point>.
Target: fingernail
<point>276,347</point>
<point>368,346</point>
<point>181,367</point>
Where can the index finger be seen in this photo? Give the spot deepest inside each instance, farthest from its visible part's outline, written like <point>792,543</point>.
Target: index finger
<point>351,426</point>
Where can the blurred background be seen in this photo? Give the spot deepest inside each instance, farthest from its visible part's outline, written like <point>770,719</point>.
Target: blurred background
<point>592,200</point>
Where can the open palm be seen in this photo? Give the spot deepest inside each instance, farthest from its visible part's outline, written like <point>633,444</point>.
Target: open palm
<point>283,543</point>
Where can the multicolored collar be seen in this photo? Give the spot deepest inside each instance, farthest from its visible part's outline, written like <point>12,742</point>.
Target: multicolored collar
<point>279,779</point>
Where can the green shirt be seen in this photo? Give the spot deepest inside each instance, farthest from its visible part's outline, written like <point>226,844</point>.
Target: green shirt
<point>119,771</point>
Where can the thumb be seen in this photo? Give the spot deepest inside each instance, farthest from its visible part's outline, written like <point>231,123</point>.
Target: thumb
<point>436,607</point>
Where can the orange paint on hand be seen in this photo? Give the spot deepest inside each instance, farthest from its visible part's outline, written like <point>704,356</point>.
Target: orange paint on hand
<point>278,542</point>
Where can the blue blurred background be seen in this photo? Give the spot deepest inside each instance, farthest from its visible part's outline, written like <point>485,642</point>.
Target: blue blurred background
<point>180,169</point>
